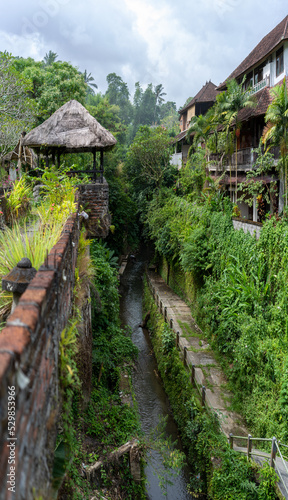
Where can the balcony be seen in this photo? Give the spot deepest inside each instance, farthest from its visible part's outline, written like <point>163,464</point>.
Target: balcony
<point>245,159</point>
<point>260,85</point>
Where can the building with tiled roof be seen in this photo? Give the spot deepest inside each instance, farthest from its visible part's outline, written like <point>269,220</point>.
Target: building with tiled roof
<point>199,105</point>
<point>265,60</point>
<point>264,68</point>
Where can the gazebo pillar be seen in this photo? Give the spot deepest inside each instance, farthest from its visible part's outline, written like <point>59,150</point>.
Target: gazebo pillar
<point>46,159</point>
<point>94,165</point>
<point>58,159</point>
<point>101,165</point>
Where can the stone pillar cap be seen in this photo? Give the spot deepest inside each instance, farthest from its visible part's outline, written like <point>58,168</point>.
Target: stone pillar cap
<point>19,278</point>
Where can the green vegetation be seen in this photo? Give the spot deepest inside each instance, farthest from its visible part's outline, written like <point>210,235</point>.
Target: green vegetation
<point>91,431</point>
<point>16,107</point>
<point>236,285</point>
<point>240,289</point>
<point>216,469</point>
<point>276,132</point>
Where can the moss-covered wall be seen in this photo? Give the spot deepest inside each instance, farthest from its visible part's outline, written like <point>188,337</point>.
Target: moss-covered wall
<point>182,283</point>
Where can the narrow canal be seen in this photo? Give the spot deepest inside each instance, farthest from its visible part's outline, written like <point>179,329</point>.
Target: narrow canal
<point>149,392</point>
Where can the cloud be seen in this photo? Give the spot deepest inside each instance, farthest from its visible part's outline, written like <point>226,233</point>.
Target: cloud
<point>159,41</point>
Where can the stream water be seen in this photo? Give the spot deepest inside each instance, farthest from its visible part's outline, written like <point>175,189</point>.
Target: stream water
<point>148,388</point>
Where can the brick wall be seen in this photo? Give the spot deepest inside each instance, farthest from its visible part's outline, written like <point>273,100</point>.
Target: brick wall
<point>30,341</point>
<point>94,199</point>
<point>29,344</point>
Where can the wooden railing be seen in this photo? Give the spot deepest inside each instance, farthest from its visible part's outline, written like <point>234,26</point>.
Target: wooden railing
<point>277,460</point>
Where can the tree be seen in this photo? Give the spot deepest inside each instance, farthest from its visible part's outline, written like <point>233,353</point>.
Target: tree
<point>88,79</point>
<point>52,85</point>
<point>148,159</point>
<point>16,109</point>
<point>256,186</point>
<point>106,114</point>
<point>118,93</point>
<point>159,98</point>
<point>169,118</point>
<point>199,130</point>
<point>50,58</point>
<point>276,132</point>
<point>228,105</point>
<point>147,107</point>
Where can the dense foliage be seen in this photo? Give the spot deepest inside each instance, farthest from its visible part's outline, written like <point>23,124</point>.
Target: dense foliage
<point>241,303</point>
<point>231,476</point>
<point>105,423</point>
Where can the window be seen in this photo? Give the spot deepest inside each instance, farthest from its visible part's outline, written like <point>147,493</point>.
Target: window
<point>279,61</point>
<point>249,81</point>
<point>258,74</point>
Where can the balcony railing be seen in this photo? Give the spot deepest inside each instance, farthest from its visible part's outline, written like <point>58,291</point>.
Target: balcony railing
<point>245,159</point>
<point>260,85</point>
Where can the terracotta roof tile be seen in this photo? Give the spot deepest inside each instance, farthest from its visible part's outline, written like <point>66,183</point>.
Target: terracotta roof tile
<point>263,49</point>
<point>206,94</point>
<point>180,136</point>
<point>263,98</point>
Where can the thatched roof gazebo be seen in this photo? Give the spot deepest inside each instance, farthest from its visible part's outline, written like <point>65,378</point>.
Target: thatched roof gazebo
<point>71,129</point>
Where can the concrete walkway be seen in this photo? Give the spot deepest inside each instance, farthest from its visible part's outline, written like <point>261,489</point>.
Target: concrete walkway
<point>196,353</point>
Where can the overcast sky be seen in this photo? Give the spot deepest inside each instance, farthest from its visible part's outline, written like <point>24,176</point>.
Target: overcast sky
<point>180,44</point>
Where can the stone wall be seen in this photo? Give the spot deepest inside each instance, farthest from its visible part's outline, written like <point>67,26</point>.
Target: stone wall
<point>94,199</point>
<point>254,228</point>
<point>29,351</point>
<point>29,344</point>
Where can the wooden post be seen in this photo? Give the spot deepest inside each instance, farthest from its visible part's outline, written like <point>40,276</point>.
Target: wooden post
<point>177,340</point>
<point>193,375</point>
<point>101,165</point>
<point>161,307</point>
<point>157,300</point>
<point>47,160</point>
<point>203,394</point>
<point>94,165</point>
<point>249,446</point>
<point>185,356</point>
<point>273,452</point>
<point>165,314</point>
<point>135,465</point>
<point>171,323</point>
<point>231,440</point>
<point>58,159</point>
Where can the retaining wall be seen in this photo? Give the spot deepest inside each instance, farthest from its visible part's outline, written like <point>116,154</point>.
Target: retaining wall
<point>254,228</point>
<point>30,344</point>
<point>94,199</point>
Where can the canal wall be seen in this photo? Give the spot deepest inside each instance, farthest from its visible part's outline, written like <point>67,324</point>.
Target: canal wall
<point>30,392</point>
<point>29,373</point>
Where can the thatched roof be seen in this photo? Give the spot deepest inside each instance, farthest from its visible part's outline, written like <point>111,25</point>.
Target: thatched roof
<point>27,155</point>
<point>71,129</point>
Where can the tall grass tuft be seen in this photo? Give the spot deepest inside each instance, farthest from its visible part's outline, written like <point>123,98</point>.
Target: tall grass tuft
<point>20,242</point>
